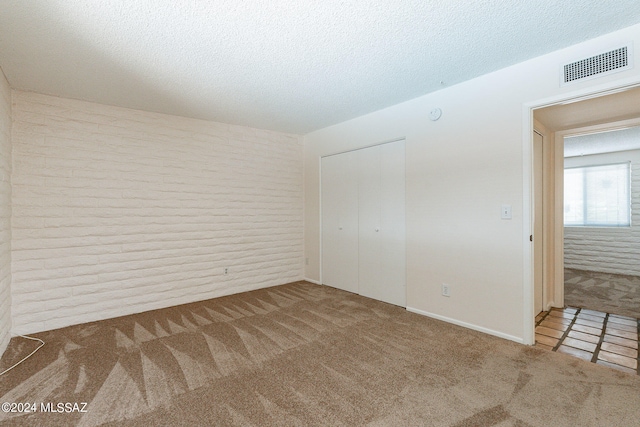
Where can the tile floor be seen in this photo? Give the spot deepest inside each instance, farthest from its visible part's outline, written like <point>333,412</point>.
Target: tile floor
<point>603,338</point>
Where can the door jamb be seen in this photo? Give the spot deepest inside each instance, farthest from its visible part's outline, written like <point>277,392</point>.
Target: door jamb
<point>540,130</point>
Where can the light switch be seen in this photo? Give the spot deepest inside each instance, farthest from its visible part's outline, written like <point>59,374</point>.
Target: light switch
<point>506,212</point>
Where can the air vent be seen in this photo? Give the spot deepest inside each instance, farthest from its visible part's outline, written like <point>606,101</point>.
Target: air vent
<point>596,66</point>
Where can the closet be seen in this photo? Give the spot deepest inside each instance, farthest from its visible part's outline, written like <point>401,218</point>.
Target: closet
<point>363,222</point>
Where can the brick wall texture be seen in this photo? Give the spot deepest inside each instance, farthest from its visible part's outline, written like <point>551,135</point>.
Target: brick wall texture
<point>5,213</point>
<point>117,211</point>
<point>607,249</point>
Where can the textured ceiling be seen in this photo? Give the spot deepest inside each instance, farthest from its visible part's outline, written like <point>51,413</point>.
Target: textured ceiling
<point>604,142</point>
<point>285,65</point>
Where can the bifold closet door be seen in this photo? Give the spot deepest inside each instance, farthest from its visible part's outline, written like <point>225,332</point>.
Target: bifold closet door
<point>363,222</point>
<point>340,221</point>
<point>381,223</point>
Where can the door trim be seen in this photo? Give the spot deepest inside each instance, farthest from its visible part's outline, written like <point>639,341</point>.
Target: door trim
<point>540,244</point>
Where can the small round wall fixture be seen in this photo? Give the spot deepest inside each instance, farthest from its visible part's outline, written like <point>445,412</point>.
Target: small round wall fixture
<point>435,114</point>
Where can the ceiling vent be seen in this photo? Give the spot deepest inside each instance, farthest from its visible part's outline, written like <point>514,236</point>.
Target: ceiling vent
<point>619,59</point>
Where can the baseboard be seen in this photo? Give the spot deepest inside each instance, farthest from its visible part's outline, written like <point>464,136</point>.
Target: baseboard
<point>315,282</point>
<point>467,325</point>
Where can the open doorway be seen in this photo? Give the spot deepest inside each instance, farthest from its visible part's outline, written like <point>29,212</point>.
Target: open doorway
<point>602,218</point>
<point>585,213</point>
<point>594,129</point>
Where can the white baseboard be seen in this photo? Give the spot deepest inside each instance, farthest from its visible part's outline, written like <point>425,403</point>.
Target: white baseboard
<point>312,281</point>
<point>467,325</point>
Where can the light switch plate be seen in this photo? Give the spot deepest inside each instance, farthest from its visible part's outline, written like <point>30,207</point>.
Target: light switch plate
<point>506,212</point>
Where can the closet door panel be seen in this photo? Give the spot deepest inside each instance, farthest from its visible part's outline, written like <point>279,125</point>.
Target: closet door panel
<point>340,222</point>
<point>330,176</point>
<point>348,225</point>
<point>369,220</point>
<point>392,278</point>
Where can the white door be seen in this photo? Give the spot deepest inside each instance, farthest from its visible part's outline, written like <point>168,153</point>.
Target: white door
<point>363,222</point>
<point>392,224</point>
<point>382,223</point>
<point>340,221</point>
<point>369,206</point>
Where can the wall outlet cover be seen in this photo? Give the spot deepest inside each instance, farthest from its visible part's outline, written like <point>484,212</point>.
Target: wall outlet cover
<point>446,290</point>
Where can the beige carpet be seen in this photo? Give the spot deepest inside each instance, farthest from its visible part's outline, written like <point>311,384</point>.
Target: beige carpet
<point>302,354</point>
<point>606,292</point>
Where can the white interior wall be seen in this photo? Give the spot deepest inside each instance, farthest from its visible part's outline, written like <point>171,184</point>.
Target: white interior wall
<point>117,211</point>
<point>460,170</point>
<point>607,249</point>
<point>5,213</point>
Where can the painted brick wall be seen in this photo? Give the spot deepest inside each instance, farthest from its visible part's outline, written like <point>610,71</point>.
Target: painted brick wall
<point>608,250</point>
<point>5,213</point>
<point>117,211</point>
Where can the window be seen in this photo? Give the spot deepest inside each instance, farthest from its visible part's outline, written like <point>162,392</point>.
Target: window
<point>597,196</point>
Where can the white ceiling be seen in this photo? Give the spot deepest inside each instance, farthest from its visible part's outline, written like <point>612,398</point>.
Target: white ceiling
<point>603,142</point>
<point>286,65</point>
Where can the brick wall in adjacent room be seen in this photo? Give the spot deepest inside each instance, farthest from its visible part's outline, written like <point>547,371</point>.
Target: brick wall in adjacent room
<point>5,213</point>
<point>117,211</point>
<point>607,249</point>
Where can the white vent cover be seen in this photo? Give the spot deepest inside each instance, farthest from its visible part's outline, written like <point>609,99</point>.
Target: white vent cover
<point>606,63</point>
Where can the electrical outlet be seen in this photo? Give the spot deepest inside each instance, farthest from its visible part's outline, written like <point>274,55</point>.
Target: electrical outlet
<point>446,290</point>
<point>226,271</point>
